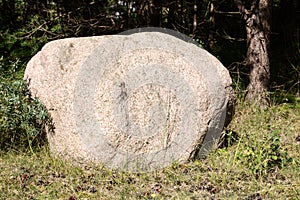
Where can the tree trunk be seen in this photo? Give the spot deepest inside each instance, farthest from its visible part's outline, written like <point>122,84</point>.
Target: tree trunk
<point>171,15</point>
<point>211,37</point>
<point>257,22</point>
<point>155,14</point>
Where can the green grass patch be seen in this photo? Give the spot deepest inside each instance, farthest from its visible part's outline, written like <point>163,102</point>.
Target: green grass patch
<point>261,162</point>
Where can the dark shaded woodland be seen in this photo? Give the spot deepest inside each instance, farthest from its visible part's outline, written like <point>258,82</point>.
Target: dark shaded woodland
<point>258,40</point>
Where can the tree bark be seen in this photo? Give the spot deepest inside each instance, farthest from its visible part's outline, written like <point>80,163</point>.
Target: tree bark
<point>155,16</point>
<point>257,22</point>
<point>211,37</point>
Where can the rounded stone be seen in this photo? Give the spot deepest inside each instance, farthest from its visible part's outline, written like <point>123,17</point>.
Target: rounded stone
<point>134,102</point>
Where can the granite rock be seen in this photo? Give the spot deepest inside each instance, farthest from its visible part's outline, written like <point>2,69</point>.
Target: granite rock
<point>134,102</point>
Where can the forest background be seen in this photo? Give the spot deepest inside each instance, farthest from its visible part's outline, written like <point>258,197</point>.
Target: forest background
<point>219,26</point>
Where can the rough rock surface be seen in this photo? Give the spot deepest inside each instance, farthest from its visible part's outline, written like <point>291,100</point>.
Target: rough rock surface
<point>133,102</point>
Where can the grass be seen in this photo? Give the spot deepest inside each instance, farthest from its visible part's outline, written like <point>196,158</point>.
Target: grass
<point>258,160</point>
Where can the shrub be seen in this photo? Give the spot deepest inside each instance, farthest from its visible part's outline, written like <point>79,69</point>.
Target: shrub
<point>23,119</point>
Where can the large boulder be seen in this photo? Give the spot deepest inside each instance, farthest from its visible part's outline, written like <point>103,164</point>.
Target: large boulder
<point>133,102</point>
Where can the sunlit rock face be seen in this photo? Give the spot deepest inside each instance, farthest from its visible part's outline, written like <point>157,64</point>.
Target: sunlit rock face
<point>134,102</point>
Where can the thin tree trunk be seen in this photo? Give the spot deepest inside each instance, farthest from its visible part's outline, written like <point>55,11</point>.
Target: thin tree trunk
<point>155,14</point>
<point>258,20</point>
<point>171,14</point>
<point>195,19</point>
<point>211,37</point>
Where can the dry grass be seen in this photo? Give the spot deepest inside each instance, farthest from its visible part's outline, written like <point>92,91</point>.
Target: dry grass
<point>232,172</point>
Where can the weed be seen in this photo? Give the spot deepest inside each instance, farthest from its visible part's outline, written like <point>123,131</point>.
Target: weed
<point>262,155</point>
